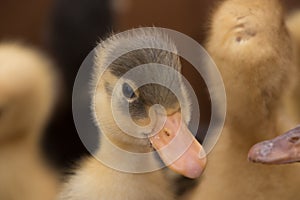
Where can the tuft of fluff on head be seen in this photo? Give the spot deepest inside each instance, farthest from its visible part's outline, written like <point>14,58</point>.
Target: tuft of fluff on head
<point>135,39</point>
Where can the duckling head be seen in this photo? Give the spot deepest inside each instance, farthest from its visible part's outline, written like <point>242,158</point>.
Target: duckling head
<point>26,91</point>
<point>141,103</point>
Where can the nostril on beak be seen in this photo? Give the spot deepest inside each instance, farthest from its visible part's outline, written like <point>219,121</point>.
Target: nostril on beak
<point>167,133</point>
<point>294,139</point>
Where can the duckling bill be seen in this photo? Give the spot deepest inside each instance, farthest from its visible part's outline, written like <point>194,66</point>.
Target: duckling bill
<point>280,150</point>
<point>189,163</point>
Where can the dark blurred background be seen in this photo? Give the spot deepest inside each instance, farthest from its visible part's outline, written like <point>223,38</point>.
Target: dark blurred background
<point>67,30</point>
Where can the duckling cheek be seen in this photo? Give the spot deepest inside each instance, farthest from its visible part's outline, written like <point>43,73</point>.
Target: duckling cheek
<point>178,148</point>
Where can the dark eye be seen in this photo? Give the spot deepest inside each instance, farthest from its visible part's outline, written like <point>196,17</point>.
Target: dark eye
<point>128,91</point>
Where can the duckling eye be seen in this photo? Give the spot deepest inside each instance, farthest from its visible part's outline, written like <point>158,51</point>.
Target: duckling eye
<point>128,91</point>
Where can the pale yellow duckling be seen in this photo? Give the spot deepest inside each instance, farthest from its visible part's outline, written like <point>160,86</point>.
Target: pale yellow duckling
<point>26,99</point>
<point>94,180</point>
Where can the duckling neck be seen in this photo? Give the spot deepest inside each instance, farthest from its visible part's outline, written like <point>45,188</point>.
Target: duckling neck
<point>252,113</point>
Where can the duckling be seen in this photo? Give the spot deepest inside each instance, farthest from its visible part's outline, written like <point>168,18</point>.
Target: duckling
<point>284,148</point>
<point>96,180</point>
<point>280,150</point>
<point>26,98</point>
<point>250,44</point>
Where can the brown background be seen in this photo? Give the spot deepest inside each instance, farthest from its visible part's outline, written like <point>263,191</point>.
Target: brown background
<point>27,20</point>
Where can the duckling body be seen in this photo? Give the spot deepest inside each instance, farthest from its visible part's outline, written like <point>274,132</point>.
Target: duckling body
<point>251,46</point>
<point>95,179</point>
<point>26,98</point>
<point>24,175</point>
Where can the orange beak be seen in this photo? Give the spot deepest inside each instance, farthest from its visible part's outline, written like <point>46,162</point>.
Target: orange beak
<point>178,148</point>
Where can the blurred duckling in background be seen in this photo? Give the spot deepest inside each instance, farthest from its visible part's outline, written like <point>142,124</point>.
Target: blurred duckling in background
<point>250,44</point>
<point>26,100</point>
<point>284,148</point>
<point>93,180</point>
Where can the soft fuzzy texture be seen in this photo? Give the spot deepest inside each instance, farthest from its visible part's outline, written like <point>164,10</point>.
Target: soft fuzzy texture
<point>93,180</point>
<point>26,99</point>
<point>293,103</point>
<point>250,44</point>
